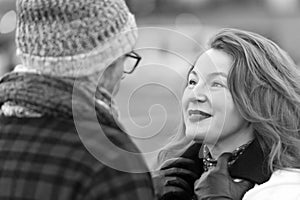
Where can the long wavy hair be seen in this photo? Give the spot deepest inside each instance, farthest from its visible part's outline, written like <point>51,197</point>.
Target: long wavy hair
<point>265,86</point>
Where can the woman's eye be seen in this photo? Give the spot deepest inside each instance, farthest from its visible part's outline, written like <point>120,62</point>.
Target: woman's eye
<point>217,84</point>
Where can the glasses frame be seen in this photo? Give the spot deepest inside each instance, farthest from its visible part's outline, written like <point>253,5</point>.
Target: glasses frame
<point>136,56</point>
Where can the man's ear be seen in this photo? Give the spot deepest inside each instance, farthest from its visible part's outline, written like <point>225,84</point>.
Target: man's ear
<point>111,75</point>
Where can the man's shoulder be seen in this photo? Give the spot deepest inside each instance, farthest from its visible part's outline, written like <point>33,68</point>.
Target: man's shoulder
<point>111,146</point>
<point>97,143</point>
<point>45,150</point>
<point>43,138</point>
<point>35,123</point>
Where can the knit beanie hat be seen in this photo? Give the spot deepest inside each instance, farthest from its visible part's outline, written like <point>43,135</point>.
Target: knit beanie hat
<point>73,37</point>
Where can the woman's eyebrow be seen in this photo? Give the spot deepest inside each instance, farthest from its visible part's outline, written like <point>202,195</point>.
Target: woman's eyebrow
<point>211,75</point>
<point>217,74</point>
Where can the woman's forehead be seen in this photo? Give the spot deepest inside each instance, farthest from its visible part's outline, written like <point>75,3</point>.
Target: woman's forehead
<point>212,61</point>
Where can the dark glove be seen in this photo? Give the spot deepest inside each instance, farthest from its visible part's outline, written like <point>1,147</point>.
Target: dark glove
<point>217,184</point>
<point>175,180</point>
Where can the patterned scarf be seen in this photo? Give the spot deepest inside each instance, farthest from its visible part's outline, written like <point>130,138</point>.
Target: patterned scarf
<point>25,94</point>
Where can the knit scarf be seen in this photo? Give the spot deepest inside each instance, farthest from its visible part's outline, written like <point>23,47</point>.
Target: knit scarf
<point>42,95</point>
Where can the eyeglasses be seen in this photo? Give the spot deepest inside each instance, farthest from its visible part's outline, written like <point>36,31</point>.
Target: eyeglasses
<point>132,61</point>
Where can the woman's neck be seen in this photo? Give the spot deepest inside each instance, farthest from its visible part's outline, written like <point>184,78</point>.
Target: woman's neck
<point>230,144</point>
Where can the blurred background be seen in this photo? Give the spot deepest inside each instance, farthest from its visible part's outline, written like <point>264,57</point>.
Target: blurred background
<point>172,34</point>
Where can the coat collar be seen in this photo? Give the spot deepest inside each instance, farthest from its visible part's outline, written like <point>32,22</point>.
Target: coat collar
<point>252,165</point>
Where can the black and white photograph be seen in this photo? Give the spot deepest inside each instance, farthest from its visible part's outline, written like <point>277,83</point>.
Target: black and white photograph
<point>149,100</point>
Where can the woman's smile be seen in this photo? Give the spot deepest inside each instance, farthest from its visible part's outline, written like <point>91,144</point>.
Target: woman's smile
<point>197,115</point>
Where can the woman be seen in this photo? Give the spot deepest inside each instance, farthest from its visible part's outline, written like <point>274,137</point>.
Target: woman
<point>242,96</point>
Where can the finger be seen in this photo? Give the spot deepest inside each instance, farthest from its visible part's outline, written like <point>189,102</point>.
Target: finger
<point>183,163</point>
<point>181,173</point>
<point>174,162</point>
<point>166,163</point>
<point>222,164</point>
<point>188,176</point>
<point>178,182</point>
<point>175,193</point>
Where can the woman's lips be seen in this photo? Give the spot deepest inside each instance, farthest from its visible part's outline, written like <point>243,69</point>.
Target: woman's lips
<point>197,115</point>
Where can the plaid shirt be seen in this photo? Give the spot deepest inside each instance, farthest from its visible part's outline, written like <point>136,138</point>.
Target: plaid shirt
<point>44,158</point>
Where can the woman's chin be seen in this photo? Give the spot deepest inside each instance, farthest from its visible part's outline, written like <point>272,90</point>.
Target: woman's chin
<point>196,136</point>
<point>200,137</point>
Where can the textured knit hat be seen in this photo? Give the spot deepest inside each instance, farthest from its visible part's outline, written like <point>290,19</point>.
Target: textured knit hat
<point>73,37</point>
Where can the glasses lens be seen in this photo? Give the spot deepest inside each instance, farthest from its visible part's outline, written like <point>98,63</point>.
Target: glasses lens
<point>129,64</point>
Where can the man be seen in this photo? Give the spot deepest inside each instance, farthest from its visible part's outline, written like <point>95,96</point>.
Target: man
<point>49,104</point>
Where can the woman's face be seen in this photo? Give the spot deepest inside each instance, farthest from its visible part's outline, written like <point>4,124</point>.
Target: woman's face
<point>208,108</point>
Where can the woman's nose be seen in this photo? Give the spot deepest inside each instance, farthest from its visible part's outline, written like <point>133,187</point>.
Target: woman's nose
<point>201,98</point>
<point>200,93</point>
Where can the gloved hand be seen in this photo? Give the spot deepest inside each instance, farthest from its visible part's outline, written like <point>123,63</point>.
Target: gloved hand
<point>175,180</point>
<point>217,184</point>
